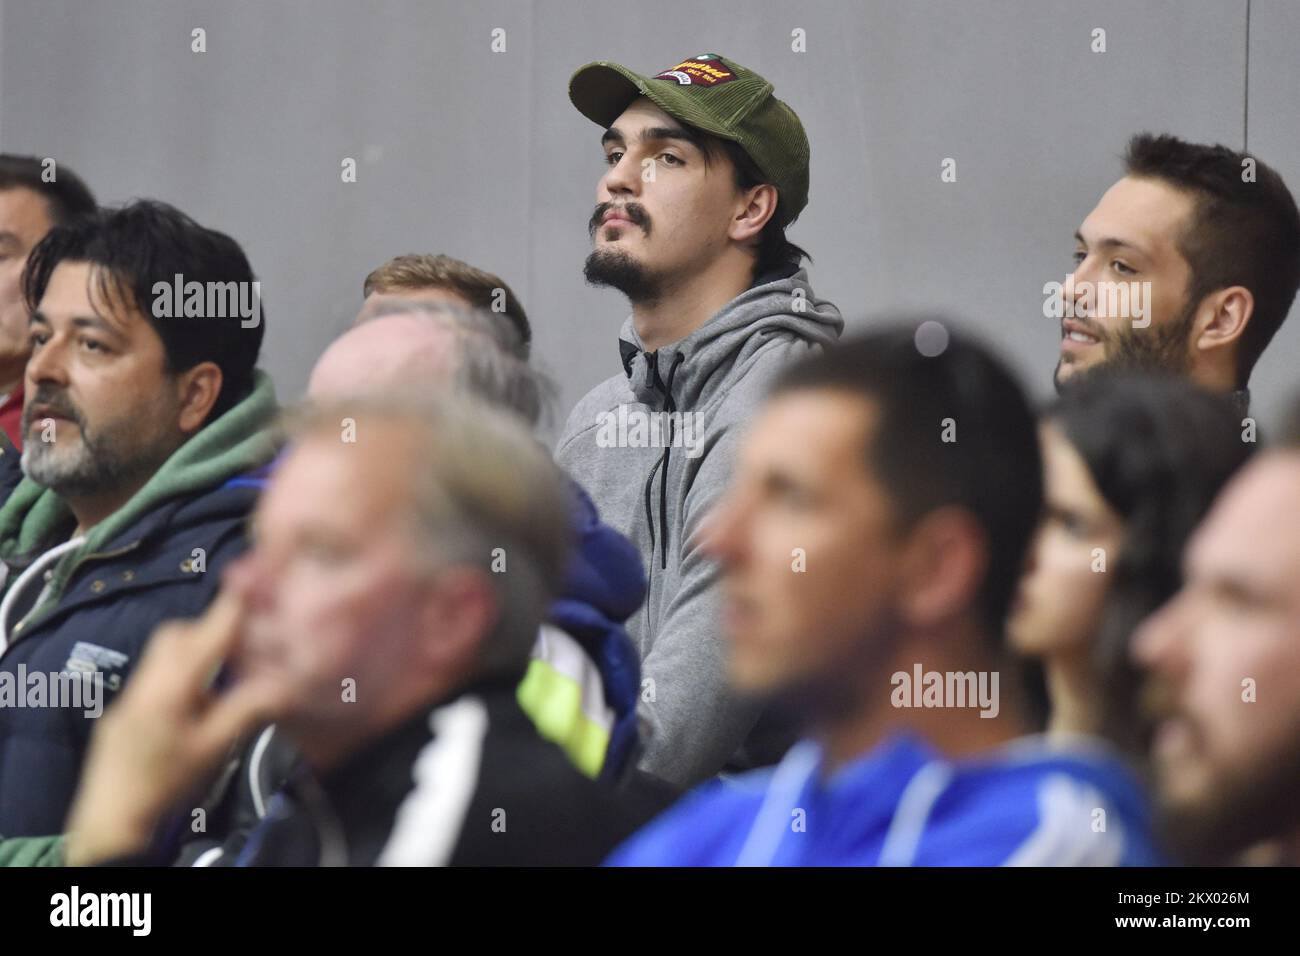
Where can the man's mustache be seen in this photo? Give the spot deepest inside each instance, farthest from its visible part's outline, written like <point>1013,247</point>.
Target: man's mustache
<point>633,212</point>
<point>1089,326</point>
<point>51,404</point>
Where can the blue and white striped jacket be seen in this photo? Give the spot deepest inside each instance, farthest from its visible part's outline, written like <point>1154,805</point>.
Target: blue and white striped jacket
<point>1034,802</point>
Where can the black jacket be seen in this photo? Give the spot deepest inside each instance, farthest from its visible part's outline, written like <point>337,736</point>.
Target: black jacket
<point>466,782</point>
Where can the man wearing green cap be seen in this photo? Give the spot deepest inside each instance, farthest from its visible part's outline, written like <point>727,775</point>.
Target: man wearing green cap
<point>706,169</point>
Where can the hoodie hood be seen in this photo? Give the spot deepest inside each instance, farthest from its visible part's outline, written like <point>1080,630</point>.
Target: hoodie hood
<point>239,441</point>
<point>777,303</point>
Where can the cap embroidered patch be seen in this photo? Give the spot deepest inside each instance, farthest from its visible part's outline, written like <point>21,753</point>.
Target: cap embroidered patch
<point>707,69</point>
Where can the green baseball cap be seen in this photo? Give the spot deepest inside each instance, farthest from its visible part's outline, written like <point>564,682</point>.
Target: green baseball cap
<point>716,95</point>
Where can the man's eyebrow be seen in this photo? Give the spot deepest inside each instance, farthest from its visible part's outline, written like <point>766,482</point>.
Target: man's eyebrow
<point>8,237</point>
<point>79,321</point>
<point>778,479</point>
<point>648,135</point>
<point>1110,242</point>
<point>95,322</point>
<point>1239,587</point>
<point>666,132</point>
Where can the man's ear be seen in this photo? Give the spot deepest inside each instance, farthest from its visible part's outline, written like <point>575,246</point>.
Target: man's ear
<point>759,205</point>
<point>199,388</point>
<point>1222,319</point>
<point>943,566</point>
<point>460,611</point>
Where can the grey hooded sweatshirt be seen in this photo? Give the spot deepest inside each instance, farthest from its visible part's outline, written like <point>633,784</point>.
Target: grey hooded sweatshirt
<point>654,447</point>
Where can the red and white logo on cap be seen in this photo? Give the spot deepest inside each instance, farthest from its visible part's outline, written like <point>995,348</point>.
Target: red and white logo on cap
<point>707,69</point>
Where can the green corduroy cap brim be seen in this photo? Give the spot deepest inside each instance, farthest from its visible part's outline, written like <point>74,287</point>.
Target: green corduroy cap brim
<point>718,96</point>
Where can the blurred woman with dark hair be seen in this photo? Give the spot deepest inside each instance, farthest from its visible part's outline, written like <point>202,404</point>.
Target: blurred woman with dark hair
<point>1131,465</point>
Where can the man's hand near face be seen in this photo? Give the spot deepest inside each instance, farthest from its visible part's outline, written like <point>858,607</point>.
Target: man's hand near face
<point>166,732</point>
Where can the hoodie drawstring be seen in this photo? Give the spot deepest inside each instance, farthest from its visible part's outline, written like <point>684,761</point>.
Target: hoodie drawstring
<point>661,466</point>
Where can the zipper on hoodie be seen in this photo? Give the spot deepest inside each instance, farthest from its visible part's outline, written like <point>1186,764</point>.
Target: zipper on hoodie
<point>668,408</point>
<point>659,536</point>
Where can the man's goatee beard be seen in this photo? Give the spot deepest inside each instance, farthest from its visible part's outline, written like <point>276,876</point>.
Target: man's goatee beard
<point>618,270</point>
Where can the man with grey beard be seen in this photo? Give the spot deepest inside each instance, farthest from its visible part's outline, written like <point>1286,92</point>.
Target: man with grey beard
<point>139,427</point>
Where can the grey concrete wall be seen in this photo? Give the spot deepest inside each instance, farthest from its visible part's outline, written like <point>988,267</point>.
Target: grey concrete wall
<point>480,154</point>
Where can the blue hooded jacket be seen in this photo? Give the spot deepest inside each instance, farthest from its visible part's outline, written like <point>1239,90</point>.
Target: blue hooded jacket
<point>1033,802</point>
<point>604,585</point>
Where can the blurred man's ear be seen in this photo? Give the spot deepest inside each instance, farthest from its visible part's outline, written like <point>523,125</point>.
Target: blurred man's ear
<point>198,388</point>
<point>460,611</point>
<point>942,569</point>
